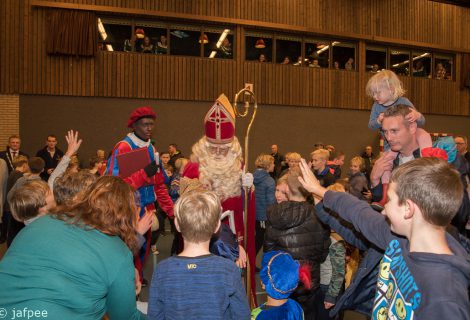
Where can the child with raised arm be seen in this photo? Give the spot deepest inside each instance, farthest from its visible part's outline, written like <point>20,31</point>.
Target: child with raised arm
<point>386,90</point>
<point>196,284</point>
<point>421,260</point>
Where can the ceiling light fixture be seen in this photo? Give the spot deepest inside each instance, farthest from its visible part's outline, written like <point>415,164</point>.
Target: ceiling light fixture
<point>203,39</point>
<point>260,44</point>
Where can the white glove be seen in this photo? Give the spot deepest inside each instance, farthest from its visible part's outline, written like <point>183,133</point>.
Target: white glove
<point>157,158</point>
<point>247,180</point>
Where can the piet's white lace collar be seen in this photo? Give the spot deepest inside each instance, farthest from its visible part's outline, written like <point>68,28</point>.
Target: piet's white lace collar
<point>137,141</point>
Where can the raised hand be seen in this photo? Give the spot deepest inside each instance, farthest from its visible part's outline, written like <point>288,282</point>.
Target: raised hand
<point>308,180</point>
<point>145,222</point>
<point>73,143</point>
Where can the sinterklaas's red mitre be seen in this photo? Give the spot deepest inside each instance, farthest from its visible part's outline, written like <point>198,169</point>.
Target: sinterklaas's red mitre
<point>219,123</point>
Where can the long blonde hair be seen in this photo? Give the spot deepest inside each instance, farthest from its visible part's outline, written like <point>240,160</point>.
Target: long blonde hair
<point>385,79</point>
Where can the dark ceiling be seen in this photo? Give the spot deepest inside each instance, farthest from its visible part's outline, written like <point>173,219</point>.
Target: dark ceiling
<point>461,3</point>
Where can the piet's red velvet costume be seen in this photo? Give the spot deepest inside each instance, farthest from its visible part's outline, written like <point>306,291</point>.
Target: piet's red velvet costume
<point>150,189</point>
<point>219,125</point>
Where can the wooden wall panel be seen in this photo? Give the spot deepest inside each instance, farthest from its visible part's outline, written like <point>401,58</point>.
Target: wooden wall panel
<point>413,20</point>
<point>174,78</point>
<point>27,69</point>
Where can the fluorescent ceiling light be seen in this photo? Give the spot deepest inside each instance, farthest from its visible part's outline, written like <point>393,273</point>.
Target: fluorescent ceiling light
<point>327,47</point>
<point>222,37</point>
<point>102,30</point>
<point>414,58</point>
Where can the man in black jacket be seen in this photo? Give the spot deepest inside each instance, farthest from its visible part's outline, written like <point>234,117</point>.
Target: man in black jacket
<point>51,156</point>
<point>368,157</point>
<point>279,162</point>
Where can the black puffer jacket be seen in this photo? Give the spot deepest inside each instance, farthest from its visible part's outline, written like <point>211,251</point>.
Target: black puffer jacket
<point>293,227</point>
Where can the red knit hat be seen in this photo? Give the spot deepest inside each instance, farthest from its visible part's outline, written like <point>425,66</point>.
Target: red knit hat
<point>139,113</point>
<point>435,153</point>
<point>191,170</point>
<point>219,123</point>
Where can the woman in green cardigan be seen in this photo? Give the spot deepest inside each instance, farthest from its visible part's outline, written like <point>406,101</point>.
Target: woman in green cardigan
<point>77,263</point>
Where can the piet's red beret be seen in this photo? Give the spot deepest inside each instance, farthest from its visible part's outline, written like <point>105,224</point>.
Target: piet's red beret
<point>139,113</point>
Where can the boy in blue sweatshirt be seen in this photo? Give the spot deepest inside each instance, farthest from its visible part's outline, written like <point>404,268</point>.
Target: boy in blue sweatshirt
<point>424,273</point>
<point>196,284</point>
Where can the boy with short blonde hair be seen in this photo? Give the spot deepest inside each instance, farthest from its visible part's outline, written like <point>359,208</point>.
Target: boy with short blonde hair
<point>197,216</point>
<point>320,168</point>
<point>417,268</point>
<point>20,162</point>
<point>32,200</point>
<point>282,189</point>
<point>33,169</point>
<point>196,284</point>
<point>264,161</point>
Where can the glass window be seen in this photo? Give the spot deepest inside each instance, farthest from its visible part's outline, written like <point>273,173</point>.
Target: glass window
<point>317,53</point>
<point>150,37</point>
<point>114,35</point>
<point>259,47</point>
<point>344,53</point>
<point>376,59</point>
<point>219,45</point>
<point>421,66</point>
<point>400,61</point>
<point>288,49</point>
<point>186,41</point>
<point>443,66</point>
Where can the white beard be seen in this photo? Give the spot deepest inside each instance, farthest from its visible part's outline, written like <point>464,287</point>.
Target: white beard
<point>223,176</point>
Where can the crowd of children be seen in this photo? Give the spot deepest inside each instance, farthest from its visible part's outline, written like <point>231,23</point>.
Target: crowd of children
<point>379,242</point>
